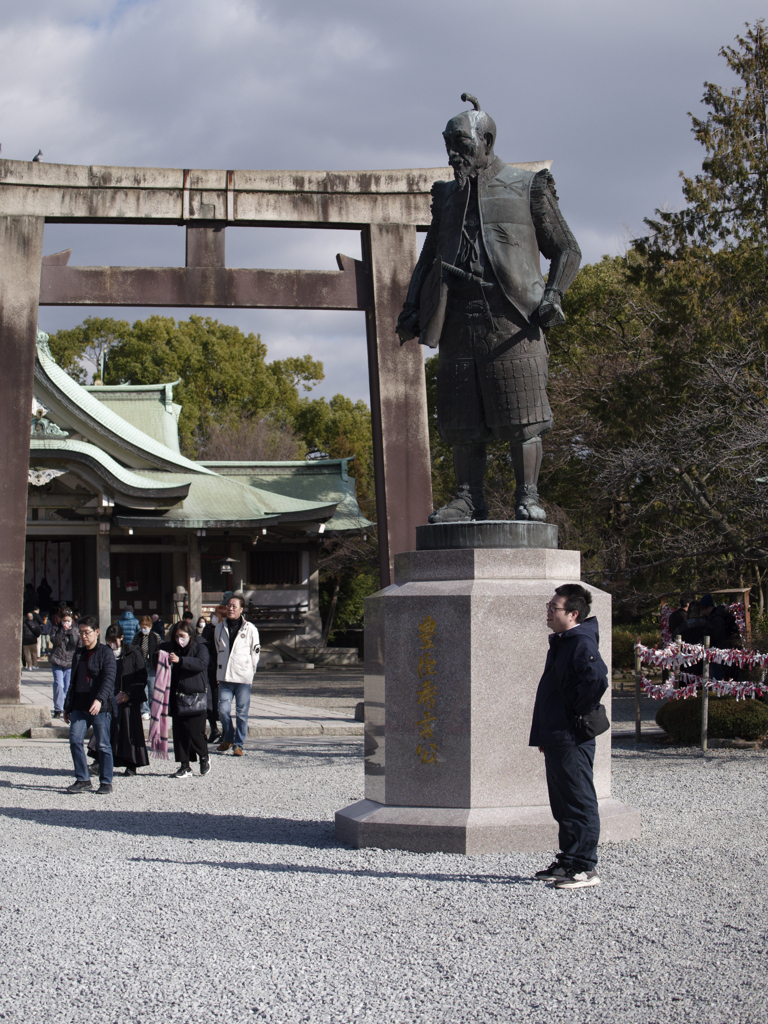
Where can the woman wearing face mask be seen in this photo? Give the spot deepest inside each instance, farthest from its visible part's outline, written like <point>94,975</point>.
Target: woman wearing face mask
<point>218,615</point>
<point>147,641</point>
<point>64,640</point>
<point>188,699</point>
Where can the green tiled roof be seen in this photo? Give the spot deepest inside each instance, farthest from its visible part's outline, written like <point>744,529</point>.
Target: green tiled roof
<point>122,482</point>
<point>146,408</point>
<point>319,480</point>
<point>73,405</point>
<point>131,452</point>
<point>220,501</point>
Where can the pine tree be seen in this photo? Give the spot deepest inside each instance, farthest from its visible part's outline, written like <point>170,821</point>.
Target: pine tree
<point>727,203</point>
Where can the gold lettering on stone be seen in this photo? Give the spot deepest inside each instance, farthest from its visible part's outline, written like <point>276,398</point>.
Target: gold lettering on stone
<point>427,692</point>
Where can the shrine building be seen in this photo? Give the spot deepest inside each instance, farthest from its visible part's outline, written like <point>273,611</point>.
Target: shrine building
<point>117,516</point>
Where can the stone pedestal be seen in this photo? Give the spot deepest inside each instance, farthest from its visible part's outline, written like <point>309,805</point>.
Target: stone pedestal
<point>17,719</point>
<point>454,651</point>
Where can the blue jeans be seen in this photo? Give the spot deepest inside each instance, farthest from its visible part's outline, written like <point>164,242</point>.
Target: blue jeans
<point>60,686</point>
<point>146,706</point>
<point>78,726</point>
<point>574,803</point>
<point>242,695</point>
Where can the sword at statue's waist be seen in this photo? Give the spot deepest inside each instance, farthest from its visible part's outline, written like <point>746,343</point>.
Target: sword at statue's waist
<point>465,275</point>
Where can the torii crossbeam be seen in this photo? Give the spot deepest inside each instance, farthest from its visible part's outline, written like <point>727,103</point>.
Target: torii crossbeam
<point>388,207</point>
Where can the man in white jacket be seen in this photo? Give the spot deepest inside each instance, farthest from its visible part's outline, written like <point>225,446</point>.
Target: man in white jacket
<point>236,642</point>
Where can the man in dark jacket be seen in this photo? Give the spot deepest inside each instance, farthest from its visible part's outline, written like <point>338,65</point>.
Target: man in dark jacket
<point>89,702</point>
<point>722,629</point>
<point>679,617</point>
<point>574,680</point>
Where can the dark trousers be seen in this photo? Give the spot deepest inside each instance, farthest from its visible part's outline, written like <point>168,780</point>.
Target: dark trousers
<point>574,803</point>
<point>213,714</point>
<point>189,738</point>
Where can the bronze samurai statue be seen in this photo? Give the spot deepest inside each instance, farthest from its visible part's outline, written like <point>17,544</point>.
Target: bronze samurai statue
<point>478,291</point>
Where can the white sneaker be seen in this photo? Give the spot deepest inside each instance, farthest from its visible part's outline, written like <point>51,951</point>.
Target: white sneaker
<point>146,716</point>
<point>578,880</point>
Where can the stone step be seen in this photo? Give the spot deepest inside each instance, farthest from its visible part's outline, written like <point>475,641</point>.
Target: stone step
<point>283,728</point>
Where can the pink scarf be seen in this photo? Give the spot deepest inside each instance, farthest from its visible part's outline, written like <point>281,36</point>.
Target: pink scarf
<point>158,730</point>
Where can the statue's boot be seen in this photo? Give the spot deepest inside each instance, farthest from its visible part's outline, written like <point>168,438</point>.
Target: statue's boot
<point>468,503</point>
<point>526,462</point>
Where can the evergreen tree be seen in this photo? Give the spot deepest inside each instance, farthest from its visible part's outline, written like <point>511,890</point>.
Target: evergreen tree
<point>727,203</point>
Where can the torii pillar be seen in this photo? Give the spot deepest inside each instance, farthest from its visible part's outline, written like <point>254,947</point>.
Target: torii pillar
<point>388,207</point>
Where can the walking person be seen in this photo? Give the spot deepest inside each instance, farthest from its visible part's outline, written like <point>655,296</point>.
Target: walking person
<point>129,748</point>
<point>89,703</point>
<point>147,641</point>
<point>218,615</point>
<point>575,678</point>
<point>31,628</point>
<point>44,641</point>
<point>129,624</point>
<point>237,655</point>
<point>188,697</point>
<point>64,640</point>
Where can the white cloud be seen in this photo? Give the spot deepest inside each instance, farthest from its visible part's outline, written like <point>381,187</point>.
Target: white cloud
<point>602,88</point>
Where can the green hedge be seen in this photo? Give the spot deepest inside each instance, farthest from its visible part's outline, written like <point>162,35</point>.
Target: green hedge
<point>623,638</point>
<point>728,718</point>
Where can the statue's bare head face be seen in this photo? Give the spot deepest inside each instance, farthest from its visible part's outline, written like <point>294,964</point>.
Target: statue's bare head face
<point>469,139</point>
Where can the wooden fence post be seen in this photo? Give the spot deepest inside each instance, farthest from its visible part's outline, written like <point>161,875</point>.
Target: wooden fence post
<point>638,709</point>
<point>704,698</point>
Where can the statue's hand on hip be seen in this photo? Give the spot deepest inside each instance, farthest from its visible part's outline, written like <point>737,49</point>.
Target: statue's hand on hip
<point>550,314</point>
<point>407,326</point>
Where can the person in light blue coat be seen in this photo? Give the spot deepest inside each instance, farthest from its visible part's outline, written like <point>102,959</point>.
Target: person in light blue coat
<point>129,623</point>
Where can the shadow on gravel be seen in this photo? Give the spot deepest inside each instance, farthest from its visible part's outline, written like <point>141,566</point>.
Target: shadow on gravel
<point>628,750</point>
<point>18,769</point>
<point>318,869</point>
<point>182,825</point>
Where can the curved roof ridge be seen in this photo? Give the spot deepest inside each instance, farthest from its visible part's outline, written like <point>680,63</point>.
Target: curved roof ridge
<point>101,416</point>
<point>267,503</point>
<point>127,477</point>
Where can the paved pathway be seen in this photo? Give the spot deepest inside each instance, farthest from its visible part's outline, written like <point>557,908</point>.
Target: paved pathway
<point>274,716</point>
<point>266,717</point>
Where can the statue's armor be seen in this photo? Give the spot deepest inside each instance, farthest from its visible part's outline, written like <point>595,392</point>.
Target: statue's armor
<point>501,196</point>
<point>492,367</point>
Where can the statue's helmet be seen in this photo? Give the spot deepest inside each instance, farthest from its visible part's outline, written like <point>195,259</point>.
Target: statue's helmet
<point>477,119</point>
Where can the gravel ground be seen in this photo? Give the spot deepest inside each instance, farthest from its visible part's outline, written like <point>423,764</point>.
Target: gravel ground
<point>227,899</point>
<point>623,709</point>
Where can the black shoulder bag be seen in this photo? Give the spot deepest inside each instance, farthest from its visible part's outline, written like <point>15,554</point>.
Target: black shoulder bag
<point>586,727</point>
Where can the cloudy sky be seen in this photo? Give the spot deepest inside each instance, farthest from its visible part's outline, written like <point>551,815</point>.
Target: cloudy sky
<point>600,87</point>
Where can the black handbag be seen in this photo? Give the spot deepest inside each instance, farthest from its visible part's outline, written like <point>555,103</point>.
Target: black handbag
<point>586,727</point>
<point>191,703</point>
<point>592,724</point>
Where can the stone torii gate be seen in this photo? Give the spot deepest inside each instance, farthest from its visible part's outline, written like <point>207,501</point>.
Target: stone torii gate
<point>388,207</point>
